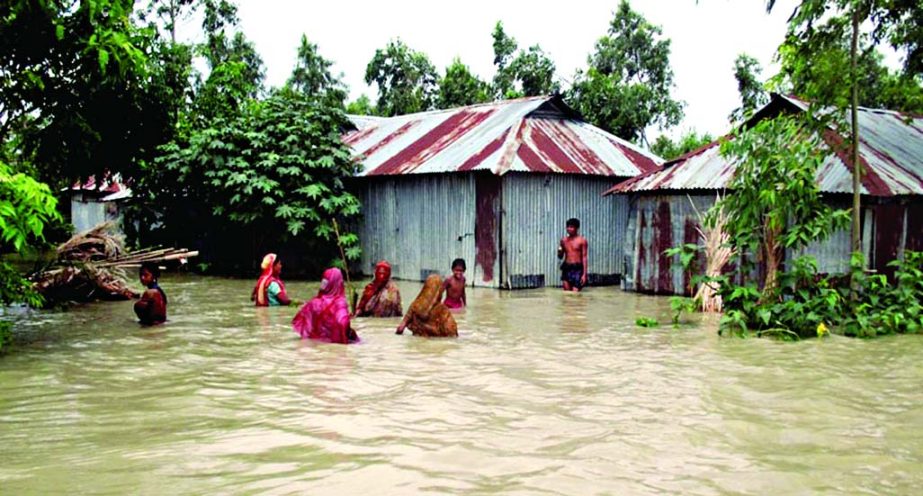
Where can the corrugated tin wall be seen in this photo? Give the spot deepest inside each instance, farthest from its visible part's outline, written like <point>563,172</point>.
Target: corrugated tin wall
<point>418,223</point>
<point>87,212</point>
<point>656,223</point>
<point>535,208</point>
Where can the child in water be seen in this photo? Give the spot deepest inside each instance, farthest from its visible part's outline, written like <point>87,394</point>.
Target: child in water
<point>454,286</point>
<point>151,309</point>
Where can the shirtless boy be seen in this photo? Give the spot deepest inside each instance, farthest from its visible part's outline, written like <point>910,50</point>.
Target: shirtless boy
<point>573,250</point>
<point>455,286</point>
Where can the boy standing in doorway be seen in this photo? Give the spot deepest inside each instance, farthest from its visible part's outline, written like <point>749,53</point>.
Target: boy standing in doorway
<point>573,250</point>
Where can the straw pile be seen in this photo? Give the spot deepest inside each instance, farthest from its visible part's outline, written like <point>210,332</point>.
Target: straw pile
<point>718,252</point>
<point>91,266</point>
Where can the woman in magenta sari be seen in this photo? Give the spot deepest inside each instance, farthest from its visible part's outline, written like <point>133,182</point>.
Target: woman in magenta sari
<point>326,316</point>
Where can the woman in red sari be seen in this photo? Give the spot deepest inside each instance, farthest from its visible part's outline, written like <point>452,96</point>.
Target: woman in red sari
<point>381,297</point>
<point>326,316</point>
<point>270,290</point>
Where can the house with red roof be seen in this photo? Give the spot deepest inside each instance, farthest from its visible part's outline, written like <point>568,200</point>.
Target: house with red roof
<point>494,184</point>
<point>665,204</point>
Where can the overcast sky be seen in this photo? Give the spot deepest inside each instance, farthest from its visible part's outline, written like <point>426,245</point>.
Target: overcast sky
<point>706,37</point>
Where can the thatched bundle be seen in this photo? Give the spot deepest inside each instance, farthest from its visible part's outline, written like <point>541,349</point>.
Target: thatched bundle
<point>718,252</point>
<point>91,266</point>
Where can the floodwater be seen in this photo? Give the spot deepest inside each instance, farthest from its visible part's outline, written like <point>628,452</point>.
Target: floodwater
<point>542,393</point>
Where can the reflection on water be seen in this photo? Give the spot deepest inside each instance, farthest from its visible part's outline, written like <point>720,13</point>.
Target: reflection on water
<point>543,393</point>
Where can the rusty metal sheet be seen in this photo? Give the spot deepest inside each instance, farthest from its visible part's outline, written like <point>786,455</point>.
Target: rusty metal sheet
<point>890,152</point>
<point>537,135</point>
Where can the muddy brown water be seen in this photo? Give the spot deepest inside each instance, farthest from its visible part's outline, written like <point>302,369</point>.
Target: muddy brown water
<point>542,393</point>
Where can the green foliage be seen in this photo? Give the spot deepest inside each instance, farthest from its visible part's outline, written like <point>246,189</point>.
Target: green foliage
<point>814,69</point>
<point>406,79</point>
<point>680,305</point>
<point>776,202</point>
<point>79,87</point>
<point>361,106</point>
<point>26,207</point>
<point>665,148</point>
<point>276,170</point>
<point>752,93</point>
<point>526,73</point>
<point>884,308</point>
<point>646,322</point>
<point>236,76</point>
<point>627,86</point>
<point>899,23</point>
<point>312,77</point>
<point>460,87</point>
<point>809,303</point>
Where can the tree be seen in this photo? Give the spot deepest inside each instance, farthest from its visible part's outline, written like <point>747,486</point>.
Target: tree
<point>666,149</point>
<point>406,79</point>
<point>274,171</point>
<point>236,69</point>
<point>752,94</point>
<point>79,88</point>
<point>361,106</point>
<point>776,202</point>
<point>523,73</point>
<point>626,87</point>
<point>504,48</point>
<point>534,71</point>
<point>459,87</point>
<point>26,207</point>
<point>816,22</point>
<point>312,77</point>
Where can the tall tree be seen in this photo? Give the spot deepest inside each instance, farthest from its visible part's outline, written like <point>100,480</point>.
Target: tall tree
<point>78,85</point>
<point>459,87</point>
<point>747,72</point>
<point>361,106</point>
<point>626,87</point>
<point>666,149</point>
<point>236,69</point>
<point>524,73</point>
<point>815,22</point>
<point>406,79</point>
<point>312,77</point>
<point>504,48</point>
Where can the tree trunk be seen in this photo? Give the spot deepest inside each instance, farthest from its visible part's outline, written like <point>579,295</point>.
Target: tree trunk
<point>857,167</point>
<point>772,255</point>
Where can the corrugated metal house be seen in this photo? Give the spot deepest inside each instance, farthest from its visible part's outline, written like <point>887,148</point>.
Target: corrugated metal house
<point>92,204</point>
<point>493,184</point>
<point>664,205</point>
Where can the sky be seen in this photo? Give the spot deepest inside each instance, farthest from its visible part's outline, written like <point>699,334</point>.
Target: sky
<point>706,35</point>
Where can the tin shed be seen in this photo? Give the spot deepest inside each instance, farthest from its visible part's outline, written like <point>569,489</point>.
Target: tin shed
<point>663,204</point>
<point>493,184</point>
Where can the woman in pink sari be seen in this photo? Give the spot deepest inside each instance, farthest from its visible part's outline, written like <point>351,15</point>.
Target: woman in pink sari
<point>326,316</point>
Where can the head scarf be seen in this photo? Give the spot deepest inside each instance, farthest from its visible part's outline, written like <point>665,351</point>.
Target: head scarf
<point>326,316</point>
<point>429,297</point>
<point>266,278</point>
<point>382,276</point>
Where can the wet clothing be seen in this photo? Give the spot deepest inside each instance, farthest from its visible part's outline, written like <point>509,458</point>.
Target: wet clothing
<point>453,303</point>
<point>269,290</point>
<point>381,298</point>
<point>572,273</point>
<point>427,316</point>
<point>151,309</point>
<point>326,316</point>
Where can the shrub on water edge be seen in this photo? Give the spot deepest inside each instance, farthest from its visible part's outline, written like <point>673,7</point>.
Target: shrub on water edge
<point>807,304</point>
